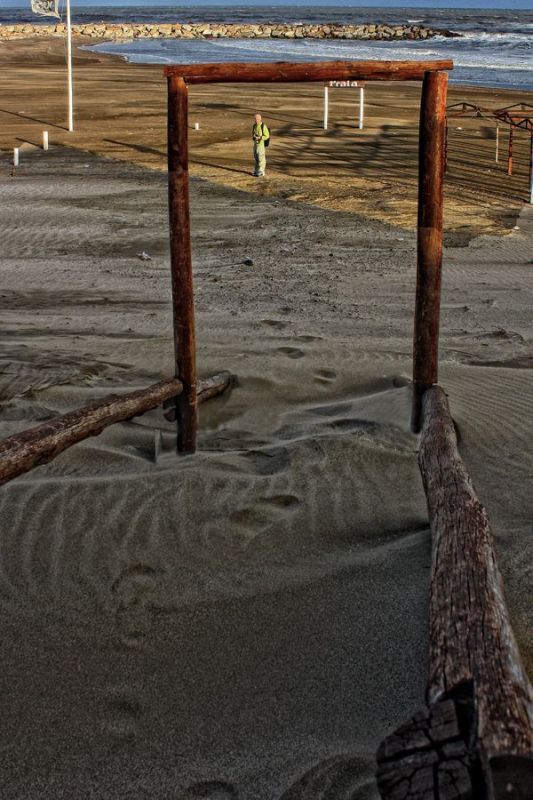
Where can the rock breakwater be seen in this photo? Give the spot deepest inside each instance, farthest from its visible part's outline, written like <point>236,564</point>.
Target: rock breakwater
<point>216,31</point>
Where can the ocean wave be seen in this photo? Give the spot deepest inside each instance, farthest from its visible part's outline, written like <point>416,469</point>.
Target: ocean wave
<point>494,48</point>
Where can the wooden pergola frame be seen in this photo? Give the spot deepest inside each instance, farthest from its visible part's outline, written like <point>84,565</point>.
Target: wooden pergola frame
<point>475,738</point>
<point>434,80</point>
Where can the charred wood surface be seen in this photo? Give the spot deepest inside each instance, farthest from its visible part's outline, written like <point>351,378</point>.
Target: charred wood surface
<point>426,758</point>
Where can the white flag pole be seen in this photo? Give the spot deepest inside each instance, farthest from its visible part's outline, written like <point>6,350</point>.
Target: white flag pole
<point>69,71</point>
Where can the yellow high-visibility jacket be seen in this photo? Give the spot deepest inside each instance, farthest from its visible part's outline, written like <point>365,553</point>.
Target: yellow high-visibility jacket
<point>262,131</point>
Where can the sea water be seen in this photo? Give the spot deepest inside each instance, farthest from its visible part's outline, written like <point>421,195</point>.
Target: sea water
<point>495,48</point>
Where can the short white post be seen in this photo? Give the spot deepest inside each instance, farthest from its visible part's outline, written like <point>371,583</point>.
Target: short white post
<point>361,107</point>
<point>16,156</point>
<point>497,143</point>
<point>196,126</point>
<point>326,107</point>
<point>45,140</point>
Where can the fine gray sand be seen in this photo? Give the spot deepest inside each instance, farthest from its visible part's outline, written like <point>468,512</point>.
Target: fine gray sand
<point>218,626</point>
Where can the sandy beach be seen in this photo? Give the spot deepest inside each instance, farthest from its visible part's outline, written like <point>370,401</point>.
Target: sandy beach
<point>249,622</point>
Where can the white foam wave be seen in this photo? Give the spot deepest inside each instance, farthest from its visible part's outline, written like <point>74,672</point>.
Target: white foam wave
<point>483,58</point>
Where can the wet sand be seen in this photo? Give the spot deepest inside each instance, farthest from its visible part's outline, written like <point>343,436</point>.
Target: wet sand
<point>223,625</point>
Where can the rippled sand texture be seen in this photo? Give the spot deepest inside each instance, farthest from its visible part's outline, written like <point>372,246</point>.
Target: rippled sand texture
<point>224,625</point>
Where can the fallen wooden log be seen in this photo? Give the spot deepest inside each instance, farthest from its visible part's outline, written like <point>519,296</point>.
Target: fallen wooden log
<point>207,388</point>
<point>23,451</point>
<point>485,748</point>
<point>292,72</point>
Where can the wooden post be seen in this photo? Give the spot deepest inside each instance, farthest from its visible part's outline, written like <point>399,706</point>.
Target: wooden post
<point>531,168</point>
<point>510,152</point>
<point>475,740</point>
<point>474,658</point>
<point>497,143</point>
<point>181,263</point>
<point>429,242</point>
<point>446,146</point>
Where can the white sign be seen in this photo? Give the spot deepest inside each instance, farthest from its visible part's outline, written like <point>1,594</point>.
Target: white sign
<point>359,85</point>
<point>47,8</point>
<point>345,84</point>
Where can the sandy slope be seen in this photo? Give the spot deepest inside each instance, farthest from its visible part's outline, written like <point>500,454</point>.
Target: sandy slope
<point>244,616</point>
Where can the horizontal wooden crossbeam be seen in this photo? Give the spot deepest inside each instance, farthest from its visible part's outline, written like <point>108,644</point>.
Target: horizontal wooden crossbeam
<point>289,72</point>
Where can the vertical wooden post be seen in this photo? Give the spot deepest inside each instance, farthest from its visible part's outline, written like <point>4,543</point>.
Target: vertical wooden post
<point>497,143</point>
<point>446,146</point>
<point>510,152</point>
<point>531,168</point>
<point>429,241</point>
<point>181,263</point>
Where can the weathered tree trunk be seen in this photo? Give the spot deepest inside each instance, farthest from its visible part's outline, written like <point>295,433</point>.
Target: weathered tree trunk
<point>28,449</point>
<point>474,659</point>
<point>23,451</point>
<point>472,646</point>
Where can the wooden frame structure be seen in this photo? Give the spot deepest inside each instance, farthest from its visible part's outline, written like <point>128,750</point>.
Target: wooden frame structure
<point>434,80</point>
<point>475,739</point>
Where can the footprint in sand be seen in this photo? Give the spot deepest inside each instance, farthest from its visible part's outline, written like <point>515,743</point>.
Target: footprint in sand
<point>123,713</point>
<point>211,790</point>
<point>291,352</point>
<point>304,337</point>
<point>266,512</point>
<point>131,592</point>
<point>336,777</point>
<point>325,375</point>
<point>274,323</point>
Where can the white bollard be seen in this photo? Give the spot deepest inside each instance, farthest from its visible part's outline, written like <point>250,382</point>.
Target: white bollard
<point>45,140</point>
<point>16,156</point>
<point>196,126</point>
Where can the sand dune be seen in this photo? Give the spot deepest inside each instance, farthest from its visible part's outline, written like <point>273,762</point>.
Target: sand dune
<point>224,625</point>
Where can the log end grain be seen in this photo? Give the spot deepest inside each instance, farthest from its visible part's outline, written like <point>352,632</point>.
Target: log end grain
<point>426,758</point>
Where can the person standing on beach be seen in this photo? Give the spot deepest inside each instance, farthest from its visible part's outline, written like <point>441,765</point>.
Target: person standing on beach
<point>261,136</point>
